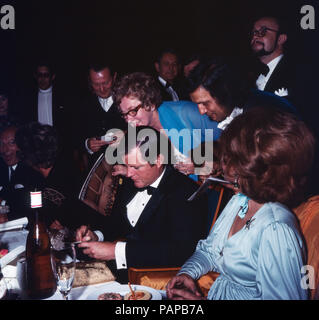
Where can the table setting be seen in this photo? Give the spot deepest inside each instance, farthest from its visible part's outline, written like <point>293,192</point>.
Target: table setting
<point>75,279</point>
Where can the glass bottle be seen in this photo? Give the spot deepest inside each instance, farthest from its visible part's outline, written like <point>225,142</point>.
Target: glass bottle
<point>40,279</point>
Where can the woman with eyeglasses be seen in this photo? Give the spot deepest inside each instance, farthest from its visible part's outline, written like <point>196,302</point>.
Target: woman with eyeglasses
<point>139,100</point>
<point>256,245</point>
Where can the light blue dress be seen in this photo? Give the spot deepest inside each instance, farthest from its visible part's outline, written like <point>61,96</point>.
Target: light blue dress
<point>186,127</point>
<point>181,115</point>
<point>262,261</point>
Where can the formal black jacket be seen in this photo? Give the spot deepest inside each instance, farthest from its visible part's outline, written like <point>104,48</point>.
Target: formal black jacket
<point>179,87</point>
<point>17,192</point>
<point>95,122</point>
<point>63,115</point>
<point>283,77</point>
<point>169,227</point>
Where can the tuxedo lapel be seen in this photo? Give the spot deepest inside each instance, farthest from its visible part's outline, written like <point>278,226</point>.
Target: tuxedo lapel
<point>278,78</point>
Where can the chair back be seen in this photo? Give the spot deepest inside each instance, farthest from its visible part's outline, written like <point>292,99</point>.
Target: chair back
<point>100,187</point>
<point>308,215</point>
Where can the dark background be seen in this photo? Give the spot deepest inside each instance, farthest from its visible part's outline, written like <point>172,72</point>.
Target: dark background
<point>131,32</point>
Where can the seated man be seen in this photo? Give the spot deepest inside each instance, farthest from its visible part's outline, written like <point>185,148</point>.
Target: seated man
<point>151,212</point>
<point>17,179</point>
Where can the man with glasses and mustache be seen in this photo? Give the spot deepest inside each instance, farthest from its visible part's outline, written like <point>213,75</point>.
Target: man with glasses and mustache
<point>268,38</point>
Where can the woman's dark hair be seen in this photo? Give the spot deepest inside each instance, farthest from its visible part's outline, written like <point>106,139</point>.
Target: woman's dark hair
<point>38,144</point>
<point>271,152</point>
<point>140,86</point>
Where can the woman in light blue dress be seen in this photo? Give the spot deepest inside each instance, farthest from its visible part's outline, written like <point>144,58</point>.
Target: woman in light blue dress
<point>256,245</point>
<point>138,98</point>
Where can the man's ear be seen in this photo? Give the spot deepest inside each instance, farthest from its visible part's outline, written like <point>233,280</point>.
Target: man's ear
<point>282,39</point>
<point>156,65</point>
<point>53,77</point>
<point>160,160</point>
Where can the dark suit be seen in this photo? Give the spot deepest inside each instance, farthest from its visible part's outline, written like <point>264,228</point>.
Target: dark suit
<point>61,116</point>
<point>283,77</point>
<point>95,122</point>
<point>178,88</point>
<point>169,227</point>
<point>17,191</point>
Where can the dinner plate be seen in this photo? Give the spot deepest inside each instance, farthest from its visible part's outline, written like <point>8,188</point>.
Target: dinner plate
<point>122,290</point>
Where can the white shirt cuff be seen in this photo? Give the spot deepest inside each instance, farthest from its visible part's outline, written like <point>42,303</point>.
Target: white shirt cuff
<point>99,235</point>
<point>87,148</point>
<point>120,256</point>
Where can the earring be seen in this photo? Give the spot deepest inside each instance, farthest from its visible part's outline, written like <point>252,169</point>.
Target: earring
<point>236,184</point>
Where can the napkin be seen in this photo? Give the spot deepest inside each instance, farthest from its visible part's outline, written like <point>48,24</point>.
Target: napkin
<point>14,224</point>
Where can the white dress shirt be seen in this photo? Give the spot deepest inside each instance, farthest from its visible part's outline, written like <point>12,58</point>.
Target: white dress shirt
<point>106,104</point>
<point>11,169</point>
<point>170,89</point>
<point>134,211</point>
<point>223,124</point>
<point>262,80</point>
<point>45,106</point>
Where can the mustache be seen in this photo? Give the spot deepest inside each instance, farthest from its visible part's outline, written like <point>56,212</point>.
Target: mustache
<point>257,41</point>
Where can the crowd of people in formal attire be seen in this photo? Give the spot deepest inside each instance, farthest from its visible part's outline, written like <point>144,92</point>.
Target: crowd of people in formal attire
<point>250,125</point>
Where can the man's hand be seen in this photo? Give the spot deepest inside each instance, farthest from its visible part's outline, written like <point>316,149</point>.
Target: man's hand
<point>95,145</point>
<point>85,234</point>
<point>99,250</point>
<point>183,287</point>
<point>185,167</point>
<point>119,169</point>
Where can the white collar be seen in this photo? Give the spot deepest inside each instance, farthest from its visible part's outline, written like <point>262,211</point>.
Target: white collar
<point>46,91</point>
<point>158,180</point>
<point>272,64</point>
<point>106,103</point>
<point>162,81</point>
<point>223,124</point>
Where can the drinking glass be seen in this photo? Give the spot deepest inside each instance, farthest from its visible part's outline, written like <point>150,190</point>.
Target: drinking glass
<point>63,261</point>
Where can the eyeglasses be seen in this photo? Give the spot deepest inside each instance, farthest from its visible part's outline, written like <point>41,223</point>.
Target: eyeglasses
<point>132,112</point>
<point>262,32</point>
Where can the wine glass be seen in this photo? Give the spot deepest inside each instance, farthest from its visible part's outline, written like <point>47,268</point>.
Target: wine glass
<point>63,259</point>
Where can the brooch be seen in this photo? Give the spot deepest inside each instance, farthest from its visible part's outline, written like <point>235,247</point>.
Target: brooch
<point>248,223</point>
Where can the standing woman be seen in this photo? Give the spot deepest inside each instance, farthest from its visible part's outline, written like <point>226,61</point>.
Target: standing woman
<point>255,244</point>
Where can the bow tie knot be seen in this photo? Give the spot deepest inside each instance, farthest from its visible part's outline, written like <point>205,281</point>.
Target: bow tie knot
<point>265,70</point>
<point>150,190</point>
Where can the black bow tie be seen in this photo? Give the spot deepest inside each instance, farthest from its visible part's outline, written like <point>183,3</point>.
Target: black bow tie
<point>150,190</point>
<point>265,70</point>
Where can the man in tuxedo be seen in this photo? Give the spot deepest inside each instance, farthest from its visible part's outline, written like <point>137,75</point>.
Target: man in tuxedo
<point>168,66</point>
<point>220,91</point>
<point>157,226</point>
<point>17,179</point>
<point>99,114</point>
<point>268,39</point>
<point>48,105</point>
